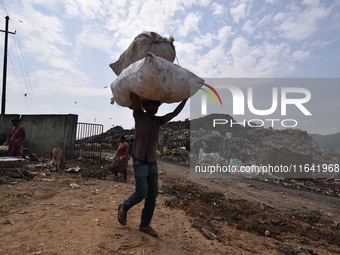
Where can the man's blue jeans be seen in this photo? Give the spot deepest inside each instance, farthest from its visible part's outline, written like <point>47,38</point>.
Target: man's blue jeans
<point>146,181</point>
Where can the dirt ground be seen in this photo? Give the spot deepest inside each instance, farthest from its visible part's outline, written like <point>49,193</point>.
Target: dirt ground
<point>75,212</point>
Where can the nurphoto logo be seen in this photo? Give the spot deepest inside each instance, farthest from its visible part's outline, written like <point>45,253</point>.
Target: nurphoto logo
<point>210,94</point>
<point>280,100</point>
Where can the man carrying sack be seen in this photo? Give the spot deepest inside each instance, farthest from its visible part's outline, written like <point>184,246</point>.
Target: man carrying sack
<point>144,160</point>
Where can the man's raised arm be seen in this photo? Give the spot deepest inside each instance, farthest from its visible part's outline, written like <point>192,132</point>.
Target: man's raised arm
<point>166,118</point>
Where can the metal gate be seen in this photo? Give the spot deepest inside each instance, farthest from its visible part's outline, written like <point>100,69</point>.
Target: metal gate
<point>89,140</point>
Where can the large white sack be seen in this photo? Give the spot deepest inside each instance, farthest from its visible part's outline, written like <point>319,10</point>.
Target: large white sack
<point>143,43</point>
<point>154,78</point>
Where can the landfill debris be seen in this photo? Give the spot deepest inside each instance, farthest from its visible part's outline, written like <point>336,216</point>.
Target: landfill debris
<point>96,191</point>
<point>208,233</point>
<point>73,169</point>
<point>235,162</point>
<point>49,179</point>
<point>289,249</point>
<point>12,162</point>
<point>97,221</point>
<point>245,142</point>
<point>26,154</point>
<point>267,233</point>
<point>74,186</point>
<point>196,141</point>
<point>3,148</point>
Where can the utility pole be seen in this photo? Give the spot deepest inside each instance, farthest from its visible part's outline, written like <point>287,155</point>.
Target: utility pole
<point>3,102</point>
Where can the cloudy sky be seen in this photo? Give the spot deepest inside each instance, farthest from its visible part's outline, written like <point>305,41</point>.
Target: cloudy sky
<point>59,58</point>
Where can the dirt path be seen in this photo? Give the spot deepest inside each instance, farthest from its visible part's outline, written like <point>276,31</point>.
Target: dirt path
<point>75,213</point>
<point>265,192</point>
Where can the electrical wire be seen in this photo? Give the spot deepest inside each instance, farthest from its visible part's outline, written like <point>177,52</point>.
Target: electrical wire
<point>26,77</point>
<point>22,92</point>
<point>4,7</point>
<point>23,70</point>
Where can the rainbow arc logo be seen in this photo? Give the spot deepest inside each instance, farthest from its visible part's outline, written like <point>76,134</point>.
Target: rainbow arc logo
<point>211,94</point>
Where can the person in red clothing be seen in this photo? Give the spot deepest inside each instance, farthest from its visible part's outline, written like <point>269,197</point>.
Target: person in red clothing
<point>120,162</point>
<point>16,138</point>
<point>144,160</point>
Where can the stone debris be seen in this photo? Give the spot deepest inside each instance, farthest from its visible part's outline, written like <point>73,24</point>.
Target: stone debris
<point>290,250</point>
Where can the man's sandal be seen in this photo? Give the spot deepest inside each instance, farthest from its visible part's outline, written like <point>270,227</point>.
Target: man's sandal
<point>122,215</point>
<point>149,230</point>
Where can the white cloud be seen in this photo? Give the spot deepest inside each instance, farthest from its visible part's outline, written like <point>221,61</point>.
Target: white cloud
<point>243,62</point>
<point>300,55</point>
<point>218,9</point>
<point>204,2</point>
<point>190,24</point>
<point>322,44</point>
<point>267,60</point>
<point>238,12</point>
<point>128,21</point>
<point>279,16</point>
<point>187,54</point>
<point>206,40</point>
<point>71,9</point>
<point>44,27</point>
<point>248,27</point>
<point>95,37</point>
<point>311,2</point>
<point>88,9</point>
<point>274,60</point>
<point>242,59</point>
<point>50,54</point>
<point>299,25</point>
<point>265,20</point>
<point>51,81</point>
<point>214,63</point>
<point>224,33</point>
<point>189,3</point>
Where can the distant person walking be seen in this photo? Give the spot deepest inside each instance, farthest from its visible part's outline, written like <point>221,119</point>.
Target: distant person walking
<point>144,160</point>
<point>16,138</point>
<point>120,162</point>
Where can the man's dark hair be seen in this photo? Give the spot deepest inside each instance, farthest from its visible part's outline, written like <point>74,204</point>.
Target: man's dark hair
<point>151,102</point>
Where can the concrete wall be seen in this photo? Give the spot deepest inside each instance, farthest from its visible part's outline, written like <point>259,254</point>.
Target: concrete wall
<point>45,132</point>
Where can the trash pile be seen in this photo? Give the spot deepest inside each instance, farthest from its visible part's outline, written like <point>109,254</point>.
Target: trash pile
<point>187,141</point>
<point>243,143</point>
<point>43,169</point>
<point>329,187</point>
<point>240,145</point>
<point>180,141</point>
<point>108,141</point>
<point>175,134</point>
<point>237,142</point>
<point>113,134</point>
<point>174,142</point>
